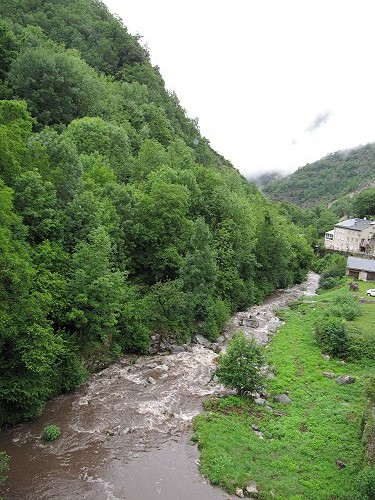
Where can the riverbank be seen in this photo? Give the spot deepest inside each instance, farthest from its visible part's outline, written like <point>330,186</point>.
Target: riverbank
<point>309,448</point>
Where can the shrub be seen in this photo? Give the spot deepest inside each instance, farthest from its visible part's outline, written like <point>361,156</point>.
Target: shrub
<point>331,335</point>
<point>328,282</point>
<point>361,344</point>
<point>239,368</point>
<point>51,432</point>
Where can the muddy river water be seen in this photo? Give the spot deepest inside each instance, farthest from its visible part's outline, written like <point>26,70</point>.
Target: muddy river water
<point>126,432</point>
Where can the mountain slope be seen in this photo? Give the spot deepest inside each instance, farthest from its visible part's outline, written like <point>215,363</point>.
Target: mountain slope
<point>328,179</point>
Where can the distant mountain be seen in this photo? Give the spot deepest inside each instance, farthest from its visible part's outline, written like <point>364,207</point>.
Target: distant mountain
<point>334,176</point>
<point>262,180</point>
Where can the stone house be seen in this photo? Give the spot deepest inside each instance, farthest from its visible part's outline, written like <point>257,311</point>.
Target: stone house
<point>363,269</point>
<point>352,235</point>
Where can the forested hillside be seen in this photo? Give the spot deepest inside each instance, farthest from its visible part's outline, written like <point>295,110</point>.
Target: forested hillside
<point>327,179</point>
<point>117,219</point>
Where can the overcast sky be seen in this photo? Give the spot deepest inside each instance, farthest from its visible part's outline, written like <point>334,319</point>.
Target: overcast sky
<point>275,84</point>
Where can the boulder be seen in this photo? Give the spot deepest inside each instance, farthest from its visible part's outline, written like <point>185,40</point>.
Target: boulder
<point>282,398</point>
<point>260,401</point>
<point>177,348</point>
<point>252,488</point>
<point>327,357</point>
<point>201,340</point>
<point>345,379</point>
<point>239,493</point>
<point>329,374</point>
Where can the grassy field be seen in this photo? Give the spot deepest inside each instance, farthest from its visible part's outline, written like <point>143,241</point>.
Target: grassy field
<point>295,456</point>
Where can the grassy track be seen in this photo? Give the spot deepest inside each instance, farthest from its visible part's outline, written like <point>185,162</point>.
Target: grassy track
<point>302,441</point>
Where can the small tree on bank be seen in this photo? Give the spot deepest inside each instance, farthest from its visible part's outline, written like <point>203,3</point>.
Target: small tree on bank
<point>239,367</point>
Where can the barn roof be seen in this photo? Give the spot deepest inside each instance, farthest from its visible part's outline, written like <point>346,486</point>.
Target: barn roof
<point>361,264</point>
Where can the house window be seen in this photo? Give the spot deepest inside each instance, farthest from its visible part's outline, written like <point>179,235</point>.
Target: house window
<point>329,236</point>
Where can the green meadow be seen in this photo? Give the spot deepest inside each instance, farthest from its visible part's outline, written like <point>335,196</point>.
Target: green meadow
<point>311,448</point>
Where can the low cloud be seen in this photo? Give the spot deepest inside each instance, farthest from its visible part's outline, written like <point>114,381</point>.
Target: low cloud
<point>319,120</point>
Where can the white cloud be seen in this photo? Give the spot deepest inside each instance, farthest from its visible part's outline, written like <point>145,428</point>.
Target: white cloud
<point>256,73</point>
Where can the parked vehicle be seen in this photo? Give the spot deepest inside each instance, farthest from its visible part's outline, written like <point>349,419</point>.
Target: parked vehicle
<point>371,292</point>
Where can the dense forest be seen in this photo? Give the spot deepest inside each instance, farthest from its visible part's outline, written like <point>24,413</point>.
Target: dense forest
<point>117,218</point>
<point>327,180</point>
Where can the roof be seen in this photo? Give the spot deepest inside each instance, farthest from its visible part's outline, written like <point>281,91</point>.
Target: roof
<point>361,264</point>
<point>355,224</point>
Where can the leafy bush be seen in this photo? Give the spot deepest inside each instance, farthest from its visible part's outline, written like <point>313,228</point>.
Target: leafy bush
<point>332,268</point>
<point>51,432</point>
<point>361,344</point>
<point>328,282</point>
<point>331,335</point>
<point>345,306</point>
<point>239,368</point>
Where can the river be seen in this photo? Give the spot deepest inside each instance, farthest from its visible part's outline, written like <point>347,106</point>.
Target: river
<point>126,432</point>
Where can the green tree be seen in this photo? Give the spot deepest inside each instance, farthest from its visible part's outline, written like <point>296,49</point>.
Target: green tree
<point>15,130</point>
<point>96,293</point>
<point>364,203</point>
<point>57,85</point>
<point>239,367</point>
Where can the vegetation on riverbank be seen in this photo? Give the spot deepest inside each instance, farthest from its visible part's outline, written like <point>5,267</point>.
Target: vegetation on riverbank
<point>311,448</point>
<point>117,218</point>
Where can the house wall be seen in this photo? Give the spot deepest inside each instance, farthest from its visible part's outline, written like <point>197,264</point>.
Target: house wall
<point>348,240</point>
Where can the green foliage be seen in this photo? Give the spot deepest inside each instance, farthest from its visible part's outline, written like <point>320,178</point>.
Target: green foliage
<point>331,334</point>
<point>51,432</point>
<point>57,85</point>
<point>364,203</point>
<point>327,179</point>
<point>366,483</point>
<point>332,267</point>
<point>239,367</point>
<point>344,306</point>
<point>117,218</point>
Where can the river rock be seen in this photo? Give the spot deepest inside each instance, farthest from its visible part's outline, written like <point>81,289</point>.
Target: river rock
<point>260,401</point>
<point>201,340</point>
<point>239,493</point>
<point>345,379</point>
<point>163,368</point>
<point>329,374</point>
<point>151,380</point>
<point>282,398</point>
<point>152,350</point>
<point>220,339</point>
<point>187,347</point>
<point>215,347</point>
<point>177,348</point>
<point>252,488</point>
